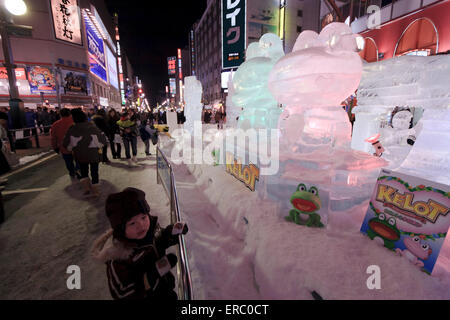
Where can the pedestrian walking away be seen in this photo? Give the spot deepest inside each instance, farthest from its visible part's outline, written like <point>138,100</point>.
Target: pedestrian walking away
<point>100,121</point>
<point>86,141</point>
<point>114,134</point>
<point>57,133</point>
<point>146,133</point>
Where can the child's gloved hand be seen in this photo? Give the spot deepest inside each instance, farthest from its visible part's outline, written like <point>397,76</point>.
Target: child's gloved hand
<point>166,263</point>
<point>179,228</point>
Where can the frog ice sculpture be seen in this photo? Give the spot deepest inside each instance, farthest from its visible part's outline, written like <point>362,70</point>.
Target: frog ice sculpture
<point>311,82</point>
<point>193,98</point>
<point>321,72</point>
<point>260,109</point>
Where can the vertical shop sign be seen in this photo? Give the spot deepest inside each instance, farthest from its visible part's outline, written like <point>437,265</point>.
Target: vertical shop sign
<point>233,33</point>
<point>66,21</point>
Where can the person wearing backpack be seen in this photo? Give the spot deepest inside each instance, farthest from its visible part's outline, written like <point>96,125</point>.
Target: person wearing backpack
<point>146,133</point>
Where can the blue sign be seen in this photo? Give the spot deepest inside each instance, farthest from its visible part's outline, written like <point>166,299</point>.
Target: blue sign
<point>97,59</point>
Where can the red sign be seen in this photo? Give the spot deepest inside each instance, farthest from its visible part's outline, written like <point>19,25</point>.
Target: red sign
<point>20,73</point>
<point>172,65</point>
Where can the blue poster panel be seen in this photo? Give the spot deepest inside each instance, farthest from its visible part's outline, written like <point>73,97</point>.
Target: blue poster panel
<point>96,50</point>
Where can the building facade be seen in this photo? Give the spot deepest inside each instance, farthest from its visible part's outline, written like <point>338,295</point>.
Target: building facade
<point>282,17</point>
<point>68,60</point>
<point>395,28</point>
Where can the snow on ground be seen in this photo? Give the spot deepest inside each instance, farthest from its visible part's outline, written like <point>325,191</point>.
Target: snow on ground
<point>239,247</point>
<point>25,160</point>
<point>57,229</point>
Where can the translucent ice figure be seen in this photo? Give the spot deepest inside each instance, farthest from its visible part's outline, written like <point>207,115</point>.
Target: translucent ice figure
<point>409,81</point>
<point>193,99</point>
<point>233,111</point>
<point>312,81</point>
<point>260,109</point>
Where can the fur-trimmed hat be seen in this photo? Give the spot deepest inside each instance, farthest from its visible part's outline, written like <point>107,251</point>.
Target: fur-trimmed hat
<point>121,207</point>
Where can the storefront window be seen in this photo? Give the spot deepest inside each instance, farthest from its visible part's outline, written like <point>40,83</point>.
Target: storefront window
<point>420,37</point>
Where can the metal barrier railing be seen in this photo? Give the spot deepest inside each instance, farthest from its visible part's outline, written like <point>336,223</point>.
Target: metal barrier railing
<point>166,177</point>
<point>26,133</point>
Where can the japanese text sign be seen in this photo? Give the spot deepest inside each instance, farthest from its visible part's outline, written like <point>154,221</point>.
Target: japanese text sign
<point>66,20</point>
<point>233,33</point>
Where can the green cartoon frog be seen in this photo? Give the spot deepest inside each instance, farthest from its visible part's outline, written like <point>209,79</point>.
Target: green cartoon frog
<point>384,231</point>
<point>306,203</point>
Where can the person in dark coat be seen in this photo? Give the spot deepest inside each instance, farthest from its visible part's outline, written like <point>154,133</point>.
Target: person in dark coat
<point>85,140</point>
<point>134,251</point>
<point>4,164</point>
<point>101,123</point>
<point>116,148</point>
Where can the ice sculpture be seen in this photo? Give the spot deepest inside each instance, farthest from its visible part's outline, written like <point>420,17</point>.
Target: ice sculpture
<point>311,82</point>
<point>260,109</point>
<point>193,99</point>
<point>233,111</point>
<point>409,81</point>
<point>321,72</point>
<point>399,133</point>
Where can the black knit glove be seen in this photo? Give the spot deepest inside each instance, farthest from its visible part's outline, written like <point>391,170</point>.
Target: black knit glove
<point>166,263</point>
<point>179,228</point>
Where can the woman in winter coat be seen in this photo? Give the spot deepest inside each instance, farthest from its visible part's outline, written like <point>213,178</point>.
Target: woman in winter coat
<point>147,133</point>
<point>85,140</point>
<point>4,164</point>
<point>134,251</point>
<point>116,148</point>
<point>100,121</point>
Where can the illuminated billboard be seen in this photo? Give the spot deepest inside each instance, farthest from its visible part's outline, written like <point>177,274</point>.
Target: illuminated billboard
<point>96,50</point>
<point>173,86</point>
<point>233,33</point>
<point>112,69</point>
<point>172,65</point>
<point>66,21</point>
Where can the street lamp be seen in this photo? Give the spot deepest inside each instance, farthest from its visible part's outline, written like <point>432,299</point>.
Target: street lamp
<point>16,7</point>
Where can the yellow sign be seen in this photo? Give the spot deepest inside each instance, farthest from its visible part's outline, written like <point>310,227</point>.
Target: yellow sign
<point>247,174</point>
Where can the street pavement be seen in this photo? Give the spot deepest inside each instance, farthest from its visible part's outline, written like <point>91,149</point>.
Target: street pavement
<point>50,226</point>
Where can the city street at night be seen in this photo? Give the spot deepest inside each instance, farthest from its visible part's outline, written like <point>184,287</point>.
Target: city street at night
<point>227,158</point>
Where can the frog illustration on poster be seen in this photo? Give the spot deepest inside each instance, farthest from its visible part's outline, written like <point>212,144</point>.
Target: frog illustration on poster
<point>409,216</point>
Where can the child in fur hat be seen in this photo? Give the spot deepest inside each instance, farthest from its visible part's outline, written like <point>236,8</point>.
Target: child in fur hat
<point>135,249</point>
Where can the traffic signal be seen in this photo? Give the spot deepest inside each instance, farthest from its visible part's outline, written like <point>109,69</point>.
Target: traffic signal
<point>140,91</point>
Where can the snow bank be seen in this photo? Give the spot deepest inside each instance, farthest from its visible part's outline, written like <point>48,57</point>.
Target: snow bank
<point>239,247</point>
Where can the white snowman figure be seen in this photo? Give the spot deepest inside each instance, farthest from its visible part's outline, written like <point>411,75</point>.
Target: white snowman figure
<point>399,133</point>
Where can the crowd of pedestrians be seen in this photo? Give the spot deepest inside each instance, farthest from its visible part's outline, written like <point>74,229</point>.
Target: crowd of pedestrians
<point>82,139</point>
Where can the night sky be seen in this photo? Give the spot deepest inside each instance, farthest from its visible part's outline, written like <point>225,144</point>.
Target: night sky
<point>151,31</point>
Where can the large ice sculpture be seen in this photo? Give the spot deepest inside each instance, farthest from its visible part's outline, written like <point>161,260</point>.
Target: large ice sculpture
<point>311,82</point>
<point>321,72</point>
<point>260,109</point>
<point>409,81</point>
<point>193,99</point>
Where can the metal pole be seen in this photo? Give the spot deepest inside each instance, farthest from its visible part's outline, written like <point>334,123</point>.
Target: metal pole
<point>7,53</point>
<point>2,210</point>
